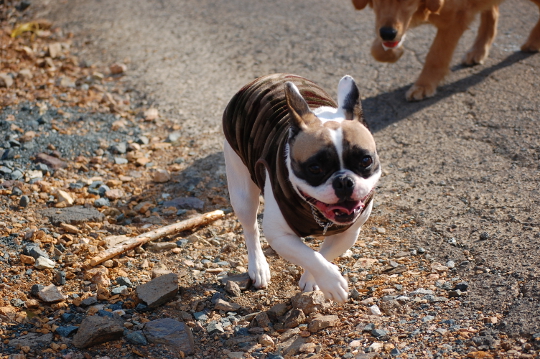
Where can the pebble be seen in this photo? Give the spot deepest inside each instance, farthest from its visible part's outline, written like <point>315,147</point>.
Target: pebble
<point>50,294</point>
<point>151,114</point>
<point>158,291</point>
<point>44,263</point>
<point>95,330</point>
<point>374,310</point>
<point>161,176</point>
<point>102,202</point>
<point>117,68</point>
<point>233,289</point>
<point>226,306</point>
<point>378,333</point>
<point>310,302</point>
<point>24,201</point>
<point>322,322</point>
<point>293,318</point>
<point>265,340</point>
<point>63,197</point>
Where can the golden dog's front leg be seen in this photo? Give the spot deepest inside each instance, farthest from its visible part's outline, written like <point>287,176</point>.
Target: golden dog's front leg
<point>533,42</point>
<point>486,34</point>
<point>437,61</point>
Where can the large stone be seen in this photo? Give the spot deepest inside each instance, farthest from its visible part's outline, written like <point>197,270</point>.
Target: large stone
<point>310,302</point>
<point>95,330</point>
<point>32,340</point>
<point>159,290</point>
<point>172,333</point>
<point>72,215</point>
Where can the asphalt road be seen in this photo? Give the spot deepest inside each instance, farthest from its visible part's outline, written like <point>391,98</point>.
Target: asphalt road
<point>464,165</point>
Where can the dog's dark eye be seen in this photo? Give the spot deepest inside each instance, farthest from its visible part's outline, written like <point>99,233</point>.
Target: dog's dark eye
<point>366,161</point>
<point>315,169</point>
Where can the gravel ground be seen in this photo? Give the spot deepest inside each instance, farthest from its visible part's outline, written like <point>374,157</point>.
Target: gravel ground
<point>447,266</point>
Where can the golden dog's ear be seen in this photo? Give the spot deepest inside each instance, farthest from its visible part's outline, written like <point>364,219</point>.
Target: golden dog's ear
<point>360,4</point>
<point>434,5</point>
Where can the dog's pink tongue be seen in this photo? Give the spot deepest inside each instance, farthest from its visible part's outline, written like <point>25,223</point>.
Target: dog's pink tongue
<point>391,44</point>
<point>345,209</point>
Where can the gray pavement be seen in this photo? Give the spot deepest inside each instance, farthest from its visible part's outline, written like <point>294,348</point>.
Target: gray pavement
<point>461,164</point>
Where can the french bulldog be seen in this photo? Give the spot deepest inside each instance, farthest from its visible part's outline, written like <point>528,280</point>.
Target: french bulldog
<point>316,164</point>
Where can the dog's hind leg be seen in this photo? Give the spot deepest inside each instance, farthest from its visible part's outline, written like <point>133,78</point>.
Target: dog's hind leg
<point>484,38</point>
<point>533,42</point>
<point>244,195</point>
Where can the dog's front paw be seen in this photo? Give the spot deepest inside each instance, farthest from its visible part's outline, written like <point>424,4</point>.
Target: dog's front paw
<point>475,56</point>
<point>307,282</point>
<point>531,46</point>
<point>259,272</point>
<point>332,284</point>
<point>420,92</point>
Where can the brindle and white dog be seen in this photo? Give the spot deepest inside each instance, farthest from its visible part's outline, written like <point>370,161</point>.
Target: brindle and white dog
<point>316,164</point>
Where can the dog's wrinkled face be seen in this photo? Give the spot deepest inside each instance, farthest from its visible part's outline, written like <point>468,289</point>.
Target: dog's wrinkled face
<point>332,157</point>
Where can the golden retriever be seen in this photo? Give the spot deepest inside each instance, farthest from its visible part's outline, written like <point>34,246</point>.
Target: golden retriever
<point>451,17</point>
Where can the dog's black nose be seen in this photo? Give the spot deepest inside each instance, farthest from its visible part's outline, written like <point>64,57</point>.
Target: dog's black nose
<point>387,33</point>
<point>343,186</point>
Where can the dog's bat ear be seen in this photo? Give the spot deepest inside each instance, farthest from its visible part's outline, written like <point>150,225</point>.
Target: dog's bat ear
<point>301,115</point>
<point>434,5</point>
<point>360,4</point>
<point>349,99</point>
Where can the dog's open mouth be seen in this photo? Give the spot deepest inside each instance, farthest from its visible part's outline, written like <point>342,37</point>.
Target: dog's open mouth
<point>388,45</point>
<point>340,213</point>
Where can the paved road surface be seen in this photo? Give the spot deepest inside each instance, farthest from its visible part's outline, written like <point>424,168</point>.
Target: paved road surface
<point>461,164</point>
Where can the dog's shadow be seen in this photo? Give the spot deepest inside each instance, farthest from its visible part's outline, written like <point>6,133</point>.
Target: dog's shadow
<point>388,108</point>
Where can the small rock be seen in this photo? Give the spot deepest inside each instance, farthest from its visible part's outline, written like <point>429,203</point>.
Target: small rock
<point>51,162</point>
<point>242,280</point>
<point>63,197</point>
<point>262,320</point>
<point>214,327</point>
<point>31,340</point>
<point>294,318</point>
<point>170,332</point>
<point>161,176</point>
<point>95,330</point>
<point>44,263</point>
<point>226,306</point>
<point>374,309</point>
<point>310,302</point>
<point>151,114</point>
<point>379,333</point>
<point>27,259</point>
<point>5,80</point>
<point>161,246</point>
<point>322,322</point>
<point>50,294</point>
<point>117,68</point>
<point>266,341</point>
<point>59,278</point>
<point>233,289</point>
<point>24,201</point>
<point>55,50</point>
<point>69,228</point>
<point>277,310</point>
<point>159,290</point>
<point>102,202</point>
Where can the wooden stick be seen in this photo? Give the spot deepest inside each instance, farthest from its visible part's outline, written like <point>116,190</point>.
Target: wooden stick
<point>133,242</point>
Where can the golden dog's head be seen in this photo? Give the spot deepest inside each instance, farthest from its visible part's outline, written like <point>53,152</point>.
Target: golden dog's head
<point>392,20</point>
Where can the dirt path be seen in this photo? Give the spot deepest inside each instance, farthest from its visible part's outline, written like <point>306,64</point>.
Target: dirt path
<point>462,172</point>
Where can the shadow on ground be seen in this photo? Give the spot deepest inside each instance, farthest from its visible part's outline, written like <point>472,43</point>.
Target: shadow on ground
<point>388,108</point>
